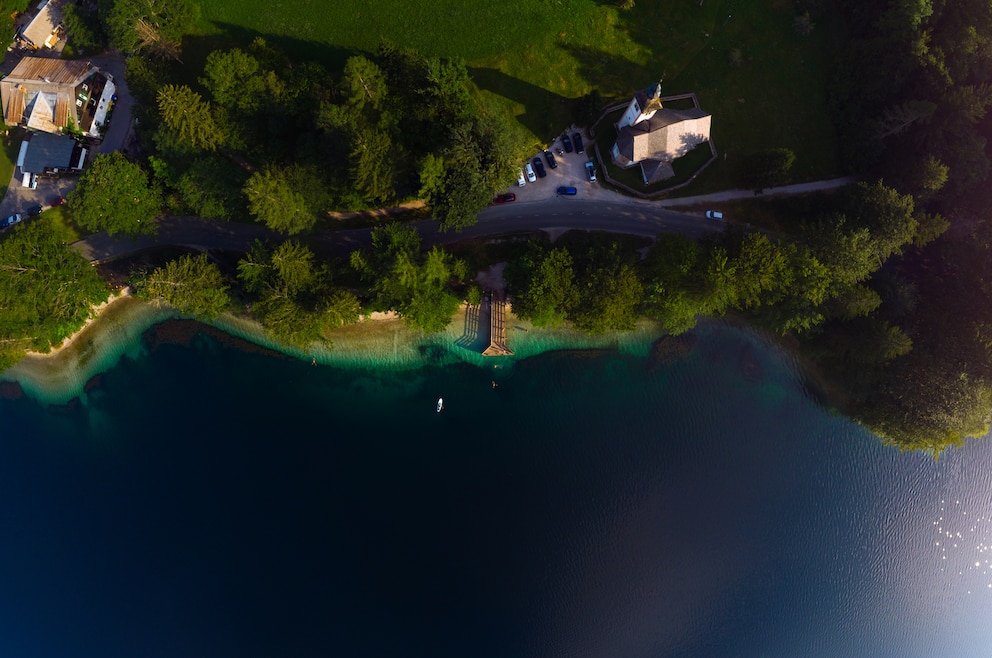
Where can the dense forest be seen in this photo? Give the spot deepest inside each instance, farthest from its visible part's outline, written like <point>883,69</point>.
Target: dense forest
<point>883,284</point>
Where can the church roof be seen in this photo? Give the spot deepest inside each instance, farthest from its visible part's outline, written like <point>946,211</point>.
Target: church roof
<point>667,135</point>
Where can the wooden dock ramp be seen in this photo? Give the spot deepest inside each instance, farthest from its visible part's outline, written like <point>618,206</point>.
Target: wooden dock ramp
<point>497,327</point>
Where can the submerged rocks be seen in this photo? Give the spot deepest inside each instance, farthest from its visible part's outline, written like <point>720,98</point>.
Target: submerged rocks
<point>669,349</point>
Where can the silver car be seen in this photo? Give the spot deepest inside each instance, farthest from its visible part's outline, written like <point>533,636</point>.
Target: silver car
<point>531,176</point>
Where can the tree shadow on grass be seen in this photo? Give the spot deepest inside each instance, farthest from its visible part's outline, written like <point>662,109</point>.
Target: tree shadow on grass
<point>610,74</point>
<point>546,112</point>
<point>197,47</point>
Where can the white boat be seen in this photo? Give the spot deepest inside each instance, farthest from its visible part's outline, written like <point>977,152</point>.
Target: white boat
<point>440,404</point>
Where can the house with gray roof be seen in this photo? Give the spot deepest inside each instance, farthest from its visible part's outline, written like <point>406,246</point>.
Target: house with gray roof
<point>652,136</point>
<point>52,154</point>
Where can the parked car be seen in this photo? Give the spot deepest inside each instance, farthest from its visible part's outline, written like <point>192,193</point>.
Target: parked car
<point>567,143</point>
<point>539,167</point>
<point>530,173</point>
<point>505,198</point>
<point>58,201</point>
<point>34,210</point>
<point>577,140</point>
<point>713,214</point>
<point>550,157</point>
<point>10,221</point>
<point>591,172</point>
<point>567,191</point>
<point>521,181</point>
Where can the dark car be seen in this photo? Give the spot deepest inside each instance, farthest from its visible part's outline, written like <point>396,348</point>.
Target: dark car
<point>550,157</point>
<point>567,191</point>
<point>58,201</point>
<point>577,140</point>
<point>34,210</point>
<point>567,143</point>
<point>539,167</point>
<point>505,198</point>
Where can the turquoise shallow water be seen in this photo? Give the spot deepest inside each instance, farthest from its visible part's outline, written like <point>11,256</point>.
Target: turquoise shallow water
<point>200,500</point>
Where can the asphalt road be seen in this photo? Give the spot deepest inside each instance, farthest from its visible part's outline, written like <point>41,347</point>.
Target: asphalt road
<point>553,216</point>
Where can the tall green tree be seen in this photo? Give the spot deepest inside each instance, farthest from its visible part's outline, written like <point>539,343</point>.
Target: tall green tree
<point>234,79</point>
<point>185,112</point>
<point>190,284</point>
<point>114,195</point>
<point>273,202</point>
<point>551,293</point>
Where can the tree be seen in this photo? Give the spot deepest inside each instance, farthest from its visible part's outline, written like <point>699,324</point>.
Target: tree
<point>83,26</point>
<point>192,285</point>
<point>372,166</point>
<point>551,292</point>
<point>273,202</point>
<point>46,290</point>
<point>768,168</point>
<point>293,263</point>
<point>364,84</point>
<point>114,195</point>
<point>609,295</point>
<point>157,26</point>
<point>234,79</point>
<point>673,282</point>
<point>900,117</point>
<point>185,112</point>
<point>763,272</point>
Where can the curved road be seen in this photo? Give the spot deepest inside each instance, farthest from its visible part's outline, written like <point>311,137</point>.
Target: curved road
<point>553,216</point>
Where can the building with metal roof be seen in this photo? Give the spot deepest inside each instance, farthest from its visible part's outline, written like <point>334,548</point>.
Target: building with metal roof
<point>52,95</point>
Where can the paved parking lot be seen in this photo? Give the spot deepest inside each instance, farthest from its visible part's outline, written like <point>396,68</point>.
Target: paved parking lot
<point>571,172</point>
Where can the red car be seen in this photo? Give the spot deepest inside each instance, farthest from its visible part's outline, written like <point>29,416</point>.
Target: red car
<point>505,198</point>
<point>58,201</point>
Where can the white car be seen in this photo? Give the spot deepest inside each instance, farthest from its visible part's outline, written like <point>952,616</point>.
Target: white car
<point>713,214</point>
<point>520,179</point>
<point>531,176</point>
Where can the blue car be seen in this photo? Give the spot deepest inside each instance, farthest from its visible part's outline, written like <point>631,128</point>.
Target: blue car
<point>10,221</point>
<point>567,191</point>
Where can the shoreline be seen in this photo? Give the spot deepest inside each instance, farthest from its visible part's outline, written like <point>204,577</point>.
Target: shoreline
<point>96,310</point>
<point>122,325</point>
<point>381,341</point>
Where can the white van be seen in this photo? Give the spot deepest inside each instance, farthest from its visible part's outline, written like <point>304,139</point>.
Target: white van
<point>26,179</point>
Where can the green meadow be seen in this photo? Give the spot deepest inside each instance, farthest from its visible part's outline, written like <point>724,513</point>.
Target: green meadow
<point>764,84</point>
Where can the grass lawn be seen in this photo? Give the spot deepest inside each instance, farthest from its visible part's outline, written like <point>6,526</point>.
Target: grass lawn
<point>533,60</point>
<point>61,225</point>
<point>8,156</point>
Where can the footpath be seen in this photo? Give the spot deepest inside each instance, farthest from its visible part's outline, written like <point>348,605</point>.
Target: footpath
<point>737,195</point>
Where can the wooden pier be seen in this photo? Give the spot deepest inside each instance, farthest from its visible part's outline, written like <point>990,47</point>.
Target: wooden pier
<point>497,327</point>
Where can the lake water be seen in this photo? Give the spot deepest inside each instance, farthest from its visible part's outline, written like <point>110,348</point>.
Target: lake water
<point>200,500</point>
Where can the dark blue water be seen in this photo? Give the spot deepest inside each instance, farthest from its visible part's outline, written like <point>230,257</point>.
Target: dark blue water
<point>203,501</point>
